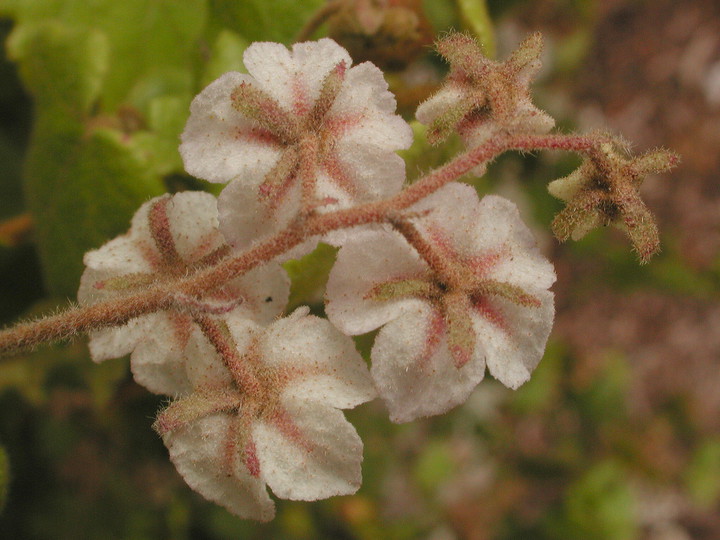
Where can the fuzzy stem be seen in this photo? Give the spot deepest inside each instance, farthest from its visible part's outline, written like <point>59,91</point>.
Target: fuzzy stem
<point>317,20</point>
<point>220,338</point>
<point>162,296</point>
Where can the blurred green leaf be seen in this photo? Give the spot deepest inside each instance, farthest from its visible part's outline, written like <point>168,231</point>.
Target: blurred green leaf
<point>435,464</point>
<point>264,20</point>
<point>4,478</point>
<point>143,36</point>
<point>442,14</point>
<point>703,474</point>
<point>421,157</point>
<point>603,397</point>
<point>82,189</point>
<point>63,66</point>
<point>308,276</point>
<point>227,55</point>
<point>543,388</point>
<point>599,506</point>
<point>474,17</point>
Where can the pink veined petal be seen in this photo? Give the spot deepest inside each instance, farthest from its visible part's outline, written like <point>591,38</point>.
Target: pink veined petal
<point>122,255</point>
<point>203,367</point>
<point>117,342</point>
<point>514,352</point>
<point>411,385</point>
<point>294,78</point>
<point>365,92</point>
<point>499,228</point>
<point>314,60</point>
<point>452,214</point>
<point>273,68</point>
<point>157,361</point>
<point>266,291</point>
<point>197,452</point>
<point>377,174</point>
<point>245,220</point>
<point>219,144</point>
<point>193,219</point>
<point>363,263</point>
<point>310,453</point>
<point>333,372</point>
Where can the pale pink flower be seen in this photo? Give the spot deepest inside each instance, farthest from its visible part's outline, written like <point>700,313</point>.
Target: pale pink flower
<point>169,237</point>
<point>472,293</point>
<point>302,131</point>
<point>269,414</point>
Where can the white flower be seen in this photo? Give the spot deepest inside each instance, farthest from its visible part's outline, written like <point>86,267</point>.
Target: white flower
<point>269,413</point>
<point>302,131</point>
<point>170,236</point>
<point>473,293</point>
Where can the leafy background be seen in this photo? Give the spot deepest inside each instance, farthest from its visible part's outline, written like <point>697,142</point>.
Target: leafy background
<point>615,437</point>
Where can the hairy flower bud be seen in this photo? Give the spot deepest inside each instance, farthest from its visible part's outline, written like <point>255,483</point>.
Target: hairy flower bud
<point>604,190</point>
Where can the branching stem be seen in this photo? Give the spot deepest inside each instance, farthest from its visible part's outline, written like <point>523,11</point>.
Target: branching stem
<point>162,296</point>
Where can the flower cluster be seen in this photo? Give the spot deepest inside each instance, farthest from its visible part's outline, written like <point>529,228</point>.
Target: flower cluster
<point>455,284</point>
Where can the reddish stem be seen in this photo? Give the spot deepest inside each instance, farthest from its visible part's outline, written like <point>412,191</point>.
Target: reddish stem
<point>118,311</point>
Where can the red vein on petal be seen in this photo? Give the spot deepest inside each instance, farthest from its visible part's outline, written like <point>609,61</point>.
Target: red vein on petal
<point>159,223</point>
<point>491,314</point>
<point>289,429</point>
<point>337,172</point>
<point>436,329</point>
<point>250,458</point>
<point>301,102</point>
<point>257,135</point>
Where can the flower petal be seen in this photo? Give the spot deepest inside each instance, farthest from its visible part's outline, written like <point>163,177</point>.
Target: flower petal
<point>413,385</point>
<point>219,144</point>
<point>514,351</point>
<point>245,219</point>
<point>197,452</point>
<point>369,259</point>
<point>323,460</point>
<point>500,229</point>
<point>331,371</point>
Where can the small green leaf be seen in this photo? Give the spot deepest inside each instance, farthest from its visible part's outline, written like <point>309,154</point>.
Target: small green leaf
<point>159,144</point>
<point>599,506</point>
<point>309,276</point>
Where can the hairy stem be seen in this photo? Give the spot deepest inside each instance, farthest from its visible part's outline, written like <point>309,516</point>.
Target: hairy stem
<point>163,296</point>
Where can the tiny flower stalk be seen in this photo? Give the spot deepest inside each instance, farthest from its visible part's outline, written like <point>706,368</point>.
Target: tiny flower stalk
<point>604,190</point>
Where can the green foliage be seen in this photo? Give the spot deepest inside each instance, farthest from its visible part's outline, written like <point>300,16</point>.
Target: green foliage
<point>263,20</point>
<point>308,276</point>
<point>4,477</point>
<point>598,506</point>
<point>475,18</point>
<point>703,474</point>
